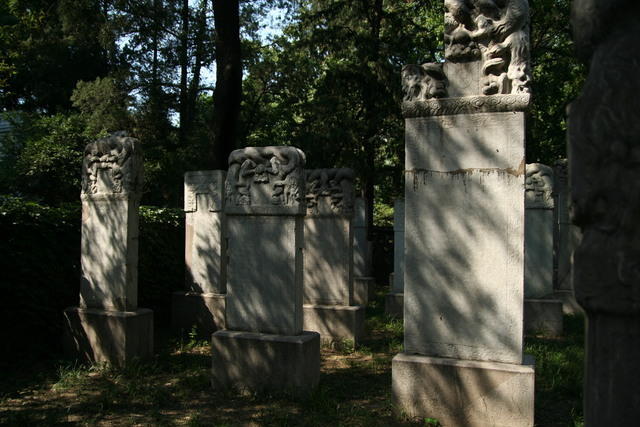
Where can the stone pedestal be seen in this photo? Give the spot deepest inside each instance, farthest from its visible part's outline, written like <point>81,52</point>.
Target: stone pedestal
<point>115,337</point>
<point>464,393</point>
<point>335,323</point>
<point>108,326</point>
<point>543,316</point>
<point>250,362</point>
<point>265,347</point>
<point>205,312</point>
<point>363,290</point>
<point>203,304</point>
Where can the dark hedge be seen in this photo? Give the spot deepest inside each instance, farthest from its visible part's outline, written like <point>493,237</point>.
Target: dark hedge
<point>40,271</point>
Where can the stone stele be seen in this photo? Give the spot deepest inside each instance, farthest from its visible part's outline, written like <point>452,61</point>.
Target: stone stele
<point>394,300</point>
<point>108,326</point>
<point>328,261</point>
<point>203,303</point>
<point>265,207</point>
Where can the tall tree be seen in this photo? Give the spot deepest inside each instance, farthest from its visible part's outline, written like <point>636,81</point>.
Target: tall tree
<point>228,92</point>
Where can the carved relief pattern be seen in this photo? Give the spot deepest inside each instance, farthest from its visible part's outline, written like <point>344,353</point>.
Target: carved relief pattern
<point>274,171</point>
<point>112,165</point>
<point>466,105</point>
<point>203,183</point>
<point>333,185</point>
<point>604,153</point>
<point>495,32</point>
<point>422,82</point>
<point>539,186</point>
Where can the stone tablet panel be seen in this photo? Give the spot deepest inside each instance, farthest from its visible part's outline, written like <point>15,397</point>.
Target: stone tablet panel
<point>464,236</point>
<point>264,274</point>
<point>398,247</point>
<point>361,249</point>
<point>205,254</point>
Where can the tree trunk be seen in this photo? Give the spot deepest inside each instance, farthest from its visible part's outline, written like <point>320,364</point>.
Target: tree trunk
<point>228,92</point>
<point>183,57</point>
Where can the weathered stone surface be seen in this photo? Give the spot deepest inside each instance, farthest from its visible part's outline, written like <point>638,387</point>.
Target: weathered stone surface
<point>543,316</point>
<point>494,34</point>
<point>361,246</point>
<point>604,130</point>
<point>464,393</point>
<point>265,273</point>
<point>422,82</point>
<point>266,181</point>
<point>253,362</point>
<point>394,305</point>
<point>567,235</point>
<point>464,207</point>
<point>111,188</point>
<point>335,322</point>
<point>538,262</point>
<point>363,290</point>
<point>398,247</point>
<point>114,337</point>
<point>204,311</point>
<point>205,249</point>
<point>330,192</point>
<point>465,79</point>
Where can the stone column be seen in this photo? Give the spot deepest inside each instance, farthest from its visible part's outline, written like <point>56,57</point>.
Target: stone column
<point>395,299</point>
<point>542,313</point>
<point>108,326</point>
<point>328,260</point>
<point>464,226</point>
<point>264,346</point>
<point>363,282</point>
<point>203,304</point>
<point>604,136</point>
<point>566,237</point>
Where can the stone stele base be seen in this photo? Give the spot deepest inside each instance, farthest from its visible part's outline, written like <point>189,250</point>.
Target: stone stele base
<point>462,392</point>
<point>363,290</point>
<point>114,337</point>
<point>204,311</point>
<point>335,322</point>
<point>253,362</point>
<point>569,303</point>
<point>543,316</point>
<point>394,304</point>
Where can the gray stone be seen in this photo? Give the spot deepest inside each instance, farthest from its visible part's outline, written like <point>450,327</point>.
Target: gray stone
<point>204,311</point>
<point>335,323</point>
<point>398,247</point>
<point>363,290</point>
<point>108,326</point>
<point>115,337</point>
<point>464,393</point>
<point>464,212</point>
<point>361,246</point>
<point>467,78</point>
<point>205,254</point>
<point>603,134</point>
<point>538,240</point>
<point>569,303</point>
<point>254,362</point>
<point>543,316</point>
<point>394,305</point>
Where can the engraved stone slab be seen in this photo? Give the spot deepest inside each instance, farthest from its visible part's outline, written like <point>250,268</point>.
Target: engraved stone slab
<point>111,187</point>
<point>465,78</point>
<point>397,286</point>
<point>464,213</point>
<point>361,247</point>
<point>538,263</point>
<point>205,252</point>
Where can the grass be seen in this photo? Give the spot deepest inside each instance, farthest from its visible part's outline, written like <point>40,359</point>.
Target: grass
<point>173,388</point>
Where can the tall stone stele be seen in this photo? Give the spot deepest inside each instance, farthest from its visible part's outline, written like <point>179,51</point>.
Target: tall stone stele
<point>108,326</point>
<point>362,254</point>
<point>604,154</point>
<point>264,347</point>
<point>394,300</point>
<point>542,313</point>
<point>329,306</point>
<point>463,362</point>
<point>203,304</point>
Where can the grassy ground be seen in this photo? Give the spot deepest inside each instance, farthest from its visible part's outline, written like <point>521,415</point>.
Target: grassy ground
<point>173,389</point>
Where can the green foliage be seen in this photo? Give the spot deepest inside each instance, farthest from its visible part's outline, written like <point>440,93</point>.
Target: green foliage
<point>40,261</point>
<point>103,103</point>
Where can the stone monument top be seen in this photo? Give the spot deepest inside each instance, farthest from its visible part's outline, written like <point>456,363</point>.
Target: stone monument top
<point>266,181</point>
<point>112,166</point>
<point>539,186</point>
<point>330,192</point>
<point>486,53</point>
